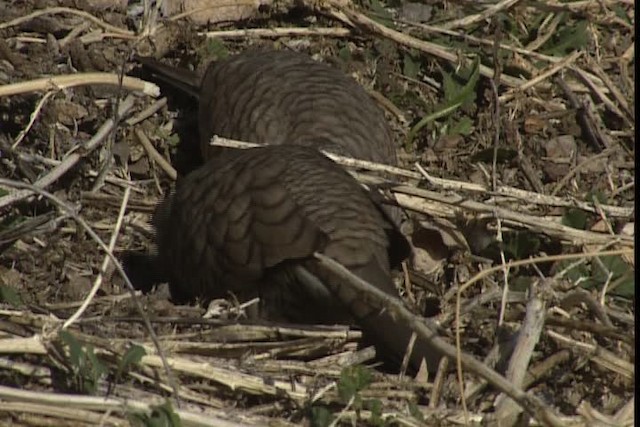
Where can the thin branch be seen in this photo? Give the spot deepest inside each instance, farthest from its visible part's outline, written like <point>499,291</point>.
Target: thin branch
<point>80,79</point>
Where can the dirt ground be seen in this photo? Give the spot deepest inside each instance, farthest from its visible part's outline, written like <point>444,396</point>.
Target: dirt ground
<point>522,117</point>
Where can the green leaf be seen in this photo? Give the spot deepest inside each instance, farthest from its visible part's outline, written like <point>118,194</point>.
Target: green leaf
<point>164,415</point>
<point>450,87</point>
<point>383,48</point>
<point>345,54</point>
<point>352,380</point>
<point>10,296</point>
<point>610,268</point>
<point>215,47</point>
<point>520,283</point>
<point>94,372</point>
<point>415,412</point>
<point>160,416</point>
<point>137,419</point>
<point>320,417</point>
<point>621,13</point>
<point>575,218</point>
<point>579,274</point>
<point>76,353</point>
<point>410,67</point>
<point>521,244</point>
<point>596,273</point>
<point>464,126</point>
<point>380,14</point>
<point>346,389</point>
<point>86,368</point>
<point>132,357</point>
<point>173,140</point>
<point>97,367</point>
<point>375,406</point>
<point>616,265</point>
<point>456,96</point>
<point>425,121</point>
<point>598,196</point>
<point>568,39</point>
<point>626,286</point>
<point>454,92</point>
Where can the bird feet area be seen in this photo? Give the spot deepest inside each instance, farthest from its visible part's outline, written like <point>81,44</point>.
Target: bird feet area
<point>514,130</point>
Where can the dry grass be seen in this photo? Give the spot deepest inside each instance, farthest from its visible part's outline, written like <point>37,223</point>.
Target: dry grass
<point>515,122</point>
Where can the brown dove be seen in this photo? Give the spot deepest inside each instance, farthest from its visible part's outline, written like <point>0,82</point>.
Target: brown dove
<point>249,221</point>
<point>283,97</point>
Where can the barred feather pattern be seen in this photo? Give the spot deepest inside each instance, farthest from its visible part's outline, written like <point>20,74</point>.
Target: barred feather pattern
<point>280,97</point>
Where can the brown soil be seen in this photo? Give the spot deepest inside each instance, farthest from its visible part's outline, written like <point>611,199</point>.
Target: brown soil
<point>570,136</point>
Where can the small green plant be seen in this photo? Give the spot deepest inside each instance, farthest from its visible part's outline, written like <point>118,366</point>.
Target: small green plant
<point>344,53</point>
<point>569,38</point>
<point>379,13</point>
<point>214,47</point>
<point>86,369</point>
<point>610,271</point>
<point>597,196</point>
<point>575,218</point>
<point>171,139</point>
<point>9,296</point>
<point>160,416</point>
<point>415,412</point>
<point>352,381</point>
<point>131,357</point>
<point>321,416</point>
<point>520,244</point>
<point>515,246</point>
<point>456,95</point>
<point>410,64</point>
